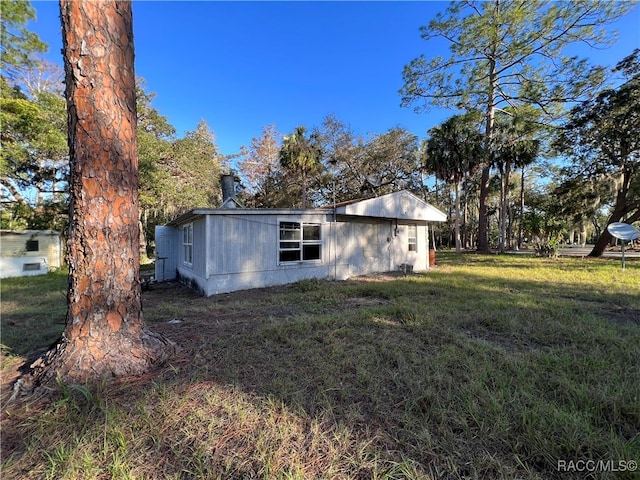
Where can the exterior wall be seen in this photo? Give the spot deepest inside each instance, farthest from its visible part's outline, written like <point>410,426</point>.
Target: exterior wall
<point>237,252</point>
<point>22,266</point>
<point>167,247</point>
<point>14,254</point>
<point>194,273</point>
<point>398,205</point>
<point>243,252</point>
<point>368,246</point>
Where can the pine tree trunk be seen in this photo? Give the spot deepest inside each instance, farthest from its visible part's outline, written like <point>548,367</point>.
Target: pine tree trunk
<point>483,214</point>
<point>105,334</point>
<point>503,241</point>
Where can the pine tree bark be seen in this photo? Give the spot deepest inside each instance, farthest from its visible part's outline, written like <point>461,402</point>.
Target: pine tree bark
<point>105,334</point>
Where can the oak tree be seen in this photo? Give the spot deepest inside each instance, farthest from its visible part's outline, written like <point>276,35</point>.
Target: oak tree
<point>359,166</point>
<point>602,143</point>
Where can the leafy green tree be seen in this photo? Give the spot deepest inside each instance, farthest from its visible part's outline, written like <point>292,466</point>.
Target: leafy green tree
<point>193,167</point>
<point>34,156</point>
<point>17,44</point>
<point>543,223</point>
<point>344,153</point>
<point>390,162</point>
<point>453,152</point>
<point>301,156</point>
<point>602,142</point>
<point>155,136</point>
<point>508,53</point>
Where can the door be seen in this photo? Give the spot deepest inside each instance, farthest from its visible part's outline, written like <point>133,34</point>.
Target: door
<point>166,253</point>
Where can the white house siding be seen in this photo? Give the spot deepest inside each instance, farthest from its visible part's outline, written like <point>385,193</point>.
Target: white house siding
<point>243,252</point>
<point>237,252</point>
<point>236,249</point>
<point>23,266</point>
<point>168,244</point>
<point>362,246</point>
<point>193,273</point>
<point>16,261</point>
<point>366,247</point>
<point>398,205</point>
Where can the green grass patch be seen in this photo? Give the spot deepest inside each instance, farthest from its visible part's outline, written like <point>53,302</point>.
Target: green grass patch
<point>487,367</point>
<point>33,311</point>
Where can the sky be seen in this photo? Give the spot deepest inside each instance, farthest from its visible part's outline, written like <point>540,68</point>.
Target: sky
<point>244,65</point>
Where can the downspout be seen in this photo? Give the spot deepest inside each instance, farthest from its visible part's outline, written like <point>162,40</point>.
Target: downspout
<point>335,235</point>
<point>207,231</point>
<point>428,248</point>
<point>394,233</point>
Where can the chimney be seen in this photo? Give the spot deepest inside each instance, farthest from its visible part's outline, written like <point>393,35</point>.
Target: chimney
<point>228,184</point>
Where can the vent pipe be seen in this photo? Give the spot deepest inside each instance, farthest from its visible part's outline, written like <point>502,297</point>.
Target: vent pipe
<point>228,184</point>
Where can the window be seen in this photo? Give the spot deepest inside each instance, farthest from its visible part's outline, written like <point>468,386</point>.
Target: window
<point>32,246</point>
<point>30,267</point>
<point>300,242</point>
<point>187,243</point>
<point>413,238</point>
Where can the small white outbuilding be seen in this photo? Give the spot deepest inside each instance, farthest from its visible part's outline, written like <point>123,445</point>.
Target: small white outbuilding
<point>29,252</point>
<point>227,249</point>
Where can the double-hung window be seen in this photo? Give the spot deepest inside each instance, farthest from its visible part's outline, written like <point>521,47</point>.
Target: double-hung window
<point>299,242</point>
<point>413,238</point>
<point>187,243</point>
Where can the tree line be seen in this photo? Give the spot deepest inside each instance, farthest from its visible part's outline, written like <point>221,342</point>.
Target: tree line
<point>513,166</point>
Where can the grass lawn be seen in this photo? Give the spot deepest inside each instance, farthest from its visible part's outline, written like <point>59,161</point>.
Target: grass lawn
<point>487,367</point>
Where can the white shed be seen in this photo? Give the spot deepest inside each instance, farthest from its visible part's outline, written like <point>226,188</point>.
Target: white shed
<point>29,252</point>
<point>226,249</point>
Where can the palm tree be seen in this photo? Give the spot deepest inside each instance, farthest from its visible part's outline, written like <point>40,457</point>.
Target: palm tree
<point>301,155</point>
<point>515,147</point>
<point>453,152</point>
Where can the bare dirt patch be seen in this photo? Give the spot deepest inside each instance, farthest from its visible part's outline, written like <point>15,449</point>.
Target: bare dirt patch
<point>365,301</point>
<point>621,315</point>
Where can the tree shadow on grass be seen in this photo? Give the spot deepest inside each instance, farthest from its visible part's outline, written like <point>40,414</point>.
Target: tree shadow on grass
<point>443,376</point>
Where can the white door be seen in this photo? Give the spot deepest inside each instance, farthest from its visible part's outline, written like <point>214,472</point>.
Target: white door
<point>166,253</point>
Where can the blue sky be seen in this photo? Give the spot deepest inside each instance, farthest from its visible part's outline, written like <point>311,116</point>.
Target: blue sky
<point>244,65</point>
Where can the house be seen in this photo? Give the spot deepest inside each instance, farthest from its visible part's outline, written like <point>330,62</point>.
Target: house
<point>226,249</point>
<point>29,252</point>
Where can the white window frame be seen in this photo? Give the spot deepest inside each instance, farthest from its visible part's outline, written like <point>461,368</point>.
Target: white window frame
<point>297,243</point>
<point>412,237</point>
<point>187,244</point>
